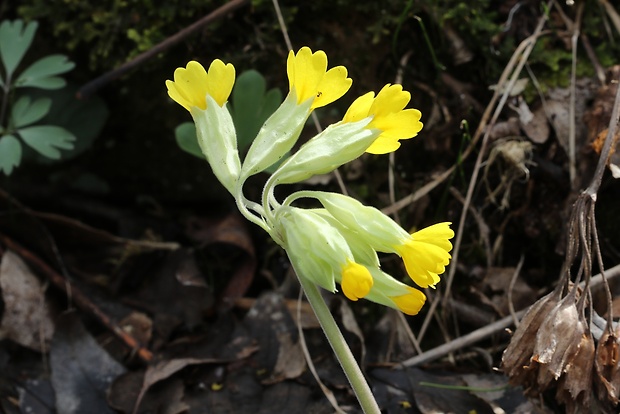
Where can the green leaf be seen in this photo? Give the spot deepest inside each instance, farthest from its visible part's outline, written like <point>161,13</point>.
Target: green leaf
<point>83,118</point>
<point>15,39</point>
<point>47,139</point>
<point>186,139</point>
<point>10,153</point>
<point>53,82</point>
<point>251,106</point>
<point>26,112</point>
<point>41,74</point>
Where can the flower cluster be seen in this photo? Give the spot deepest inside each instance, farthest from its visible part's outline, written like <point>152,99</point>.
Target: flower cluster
<point>338,243</point>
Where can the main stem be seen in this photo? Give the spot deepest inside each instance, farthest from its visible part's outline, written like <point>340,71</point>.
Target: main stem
<point>341,349</point>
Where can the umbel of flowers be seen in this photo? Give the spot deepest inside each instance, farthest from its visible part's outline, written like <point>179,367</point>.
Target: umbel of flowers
<point>338,243</point>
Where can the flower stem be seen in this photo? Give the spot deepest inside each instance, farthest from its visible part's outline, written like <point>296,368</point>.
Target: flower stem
<point>341,349</point>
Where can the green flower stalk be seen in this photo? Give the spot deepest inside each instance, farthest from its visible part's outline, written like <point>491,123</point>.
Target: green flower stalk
<point>335,245</point>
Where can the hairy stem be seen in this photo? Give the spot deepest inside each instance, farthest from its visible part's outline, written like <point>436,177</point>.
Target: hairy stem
<point>341,349</point>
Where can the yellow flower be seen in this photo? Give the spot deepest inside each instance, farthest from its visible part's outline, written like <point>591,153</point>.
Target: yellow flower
<point>309,77</point>
<point>356,280</point>
<point>426,253</point>
<point>410,303</point>
<point>390,292</point>
<point>192,84</point>
<point>388,115</point>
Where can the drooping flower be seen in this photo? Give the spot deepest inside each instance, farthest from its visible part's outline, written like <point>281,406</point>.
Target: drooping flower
<point>192,84</point>
<point>320,252</point>
<point>390,292</point>
<point>356,281</point>
<point>425,252</point>
<point>388,116</point>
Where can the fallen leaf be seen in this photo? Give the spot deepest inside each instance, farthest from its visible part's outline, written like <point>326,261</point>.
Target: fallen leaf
<point>26,318</point>
<point>280,352</point>
<point>81,370</point>
<point>230,230</point>
<point>537,127</point>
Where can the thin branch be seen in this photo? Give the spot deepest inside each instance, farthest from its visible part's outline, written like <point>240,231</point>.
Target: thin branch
<point>91,87</point>
<point>486,331</point>
<point>77,297</point>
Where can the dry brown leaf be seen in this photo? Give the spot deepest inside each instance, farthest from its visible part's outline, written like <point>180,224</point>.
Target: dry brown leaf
<point>291,362</point>
<point>26,319</point>
<point>537,126</point>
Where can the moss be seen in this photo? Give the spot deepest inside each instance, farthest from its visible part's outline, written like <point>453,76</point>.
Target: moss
<point>113,31</point>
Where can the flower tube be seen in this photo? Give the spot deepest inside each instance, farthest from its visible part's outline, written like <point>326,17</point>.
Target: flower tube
<point>204,94</point>
<point>311,86</point>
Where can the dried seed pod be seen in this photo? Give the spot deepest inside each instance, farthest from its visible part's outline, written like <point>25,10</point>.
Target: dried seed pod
<point>575,385</point>
<point>558,340</point>
<point>607,377</point>
<point>517,356</point>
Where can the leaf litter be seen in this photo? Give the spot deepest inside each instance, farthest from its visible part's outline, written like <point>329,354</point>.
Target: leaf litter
<point>171,313</point>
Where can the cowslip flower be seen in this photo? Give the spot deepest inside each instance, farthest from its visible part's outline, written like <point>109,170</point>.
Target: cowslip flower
<point>204,95</point>
<point>192,84</point>
<point>335,245</point>
<point>388,116</point>
<point>371,124</point>
<point>311,86</point>
<point>328,253</point>
<point>425,253</point>
<point>385,289</point>
<point>320,252</point>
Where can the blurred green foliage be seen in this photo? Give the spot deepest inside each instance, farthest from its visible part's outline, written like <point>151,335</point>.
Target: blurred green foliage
<point>37,108</point>
<point>19,112</point>
<point>114,30</point>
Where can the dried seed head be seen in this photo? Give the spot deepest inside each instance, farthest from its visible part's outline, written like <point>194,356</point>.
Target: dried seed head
<point>607,377</point>
<point>558,340</point>
<point>575,385</point>
<point>517,356</point>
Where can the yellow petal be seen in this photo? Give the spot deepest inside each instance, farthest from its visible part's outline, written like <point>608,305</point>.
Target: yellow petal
<point>309,78</point>
<point>383,146</point>
<point>176,95</point>
<point>356,281</point>
<point>290,69</point>
<point>410,303</point>
<point>438,234</point>
<point>426,254</point>
<point>307,70</point>
<point>190,86</point>
<point>332,86</point>
<point>359,108</point>
<point>399,125</point>
<point>221,80</point>
<point>390,99</point>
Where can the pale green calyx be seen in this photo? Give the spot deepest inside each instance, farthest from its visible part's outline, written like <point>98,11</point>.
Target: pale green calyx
<point>381,231</point>
<point>277,136</point>
<point>338,144</point>
<point>218,141</point>
<point>316,248</point>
